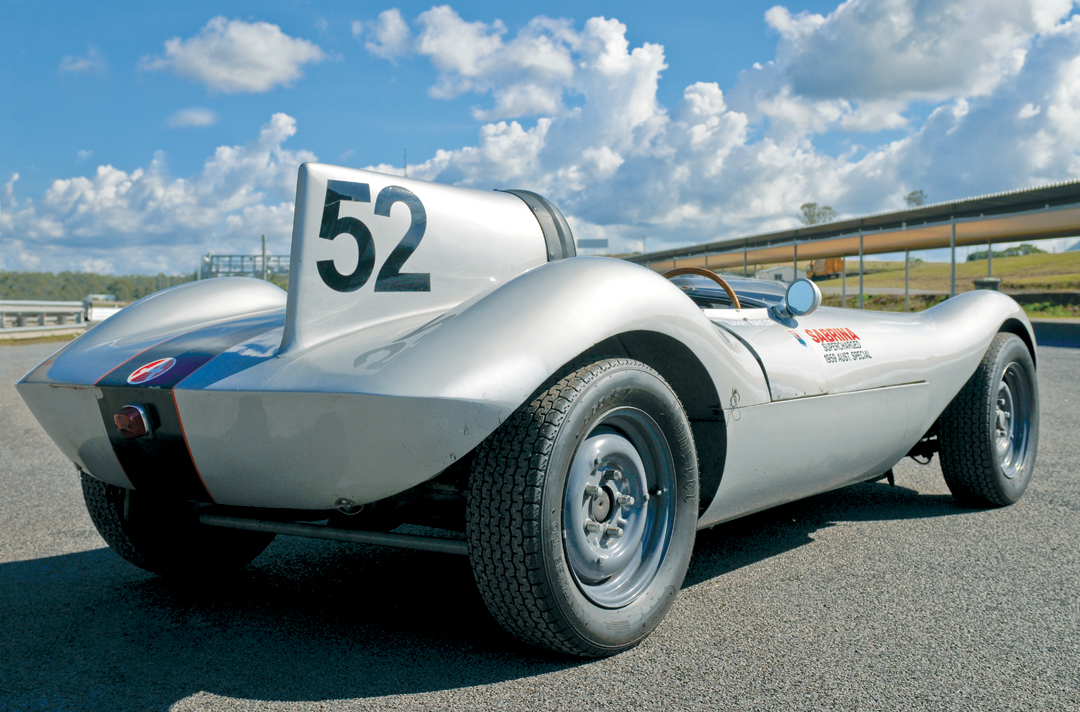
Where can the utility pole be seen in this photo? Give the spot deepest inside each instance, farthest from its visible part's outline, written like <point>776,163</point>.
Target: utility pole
<point>860,270</point>
<point>952,257</point>
<point>843,281</point>
<point>907,279</point>
<point>264,258</point>
<point>405,163</point>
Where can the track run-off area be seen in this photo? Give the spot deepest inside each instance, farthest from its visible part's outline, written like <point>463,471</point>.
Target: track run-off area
<point>873,597</point>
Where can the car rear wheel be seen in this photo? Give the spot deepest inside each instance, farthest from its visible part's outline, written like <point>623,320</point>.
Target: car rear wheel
<point>989,434</point>
<point>164,536</point>
<point>582,510</point>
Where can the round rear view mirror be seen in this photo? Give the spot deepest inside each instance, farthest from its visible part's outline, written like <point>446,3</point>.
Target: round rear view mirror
<point>802,298</point>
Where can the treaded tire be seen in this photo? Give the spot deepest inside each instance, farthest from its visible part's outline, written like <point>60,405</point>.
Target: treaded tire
<point>528,543</point>
<point>164,536</point>
<point>989,434</point>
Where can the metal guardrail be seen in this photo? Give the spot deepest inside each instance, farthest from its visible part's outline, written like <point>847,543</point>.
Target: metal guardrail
<point>24,319</point>
<point>243,266</point>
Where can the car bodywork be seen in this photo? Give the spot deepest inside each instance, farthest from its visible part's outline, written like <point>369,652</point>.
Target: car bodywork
<point>420,316</point>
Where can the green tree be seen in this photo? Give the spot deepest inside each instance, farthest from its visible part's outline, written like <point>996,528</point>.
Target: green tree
<point>813,214</point>
<point>915,198</point>
<point>123,288</point>
<point>1017,251</point>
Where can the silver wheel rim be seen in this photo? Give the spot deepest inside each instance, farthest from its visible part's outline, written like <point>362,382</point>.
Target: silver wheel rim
<point>1012,421</point>
<point>619,507</point>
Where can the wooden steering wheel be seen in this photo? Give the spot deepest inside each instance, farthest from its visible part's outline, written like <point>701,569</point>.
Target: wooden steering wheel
<point>701,272</point>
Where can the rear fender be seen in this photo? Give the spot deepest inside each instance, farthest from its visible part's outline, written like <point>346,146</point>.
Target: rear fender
<point>154,319</point>
<point>378,411</point>
<point>508,343</point>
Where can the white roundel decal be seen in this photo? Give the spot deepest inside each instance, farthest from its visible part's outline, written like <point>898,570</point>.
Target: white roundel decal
<point>150,371</point>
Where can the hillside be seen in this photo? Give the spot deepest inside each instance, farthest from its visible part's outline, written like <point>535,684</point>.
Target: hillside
<point>1026,273</point>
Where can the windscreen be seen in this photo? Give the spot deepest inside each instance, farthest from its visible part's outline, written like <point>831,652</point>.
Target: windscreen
<point>753,293</point>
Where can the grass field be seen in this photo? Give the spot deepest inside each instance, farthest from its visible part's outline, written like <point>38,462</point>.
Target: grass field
<point>1047,285</point>
<point>37,340</point>
<point>1041,306</point>
<point>1026,273</point>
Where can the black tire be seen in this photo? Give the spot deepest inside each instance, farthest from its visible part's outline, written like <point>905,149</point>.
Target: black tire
<point>530,507</point>
<point>989,434</point>
<point>164,536</point>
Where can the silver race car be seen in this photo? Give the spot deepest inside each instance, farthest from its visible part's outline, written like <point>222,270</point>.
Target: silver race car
<point>445,374</point>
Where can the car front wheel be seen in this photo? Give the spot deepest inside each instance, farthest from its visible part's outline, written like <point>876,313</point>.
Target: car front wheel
<point>989,434</point>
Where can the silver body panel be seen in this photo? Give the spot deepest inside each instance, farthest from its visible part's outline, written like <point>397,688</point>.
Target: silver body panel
<point>836,422</point>
<point>360,394</point>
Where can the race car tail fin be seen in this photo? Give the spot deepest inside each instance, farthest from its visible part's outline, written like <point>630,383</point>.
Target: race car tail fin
<point>368,247</point>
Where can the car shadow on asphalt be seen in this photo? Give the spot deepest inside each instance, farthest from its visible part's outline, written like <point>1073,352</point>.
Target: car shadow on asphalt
<point>313,620</point>
<point>747,540</point>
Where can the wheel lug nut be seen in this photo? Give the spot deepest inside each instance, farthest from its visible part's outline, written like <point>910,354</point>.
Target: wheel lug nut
<point>614,474</point>
<point>590,525</point>
<point>592,490</point>
<point>614,530</point>
<point>624,500</point>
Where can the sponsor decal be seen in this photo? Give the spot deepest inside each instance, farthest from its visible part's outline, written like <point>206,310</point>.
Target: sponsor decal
<point>823,336</point>
<point>798,338</point>
<point>841,345</point>
<point>150,371</point>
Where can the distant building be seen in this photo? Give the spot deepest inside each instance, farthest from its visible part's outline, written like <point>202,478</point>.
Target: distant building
<point>99,307</point>
<point>784,273</point>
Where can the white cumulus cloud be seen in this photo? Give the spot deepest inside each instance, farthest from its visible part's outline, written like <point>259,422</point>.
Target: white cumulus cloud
<point>571,111</point>
<point>193,116</point>
<point>623,166</point>
<point>390,34</point>
<point>233,56</point>
<point>1029,110</point>
<point>90,63</point>
<point>148,220</point>
<point>527,74</point>
<point>909,49</point>
<point>859,67</point>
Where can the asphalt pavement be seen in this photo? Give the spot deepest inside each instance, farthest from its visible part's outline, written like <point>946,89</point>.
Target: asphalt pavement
<point>868,598</point>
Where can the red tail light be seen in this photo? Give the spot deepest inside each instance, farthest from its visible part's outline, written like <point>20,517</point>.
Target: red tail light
<point>133,421</point>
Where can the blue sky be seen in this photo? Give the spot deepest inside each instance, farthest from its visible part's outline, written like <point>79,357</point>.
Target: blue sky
<point>137,137</point>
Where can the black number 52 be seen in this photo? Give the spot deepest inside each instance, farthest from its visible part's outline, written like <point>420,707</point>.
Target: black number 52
<point>391,278</point>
